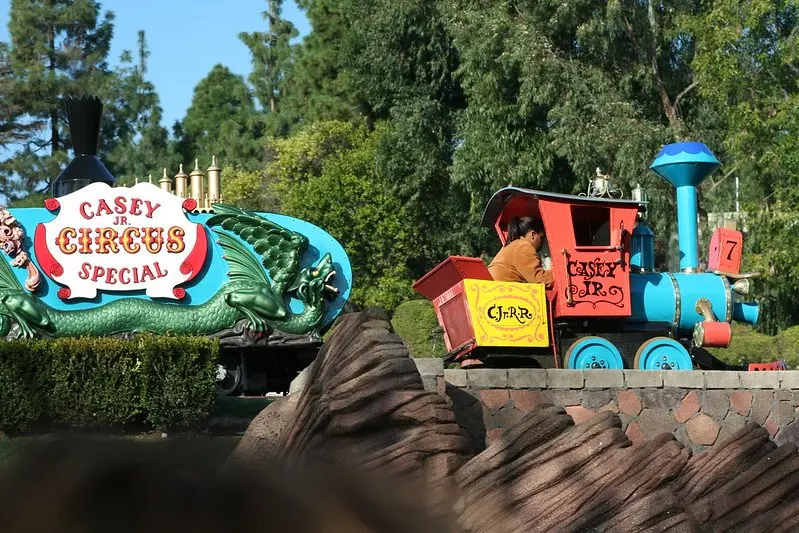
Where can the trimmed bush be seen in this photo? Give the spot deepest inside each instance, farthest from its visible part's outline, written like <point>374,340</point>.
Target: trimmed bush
<point>178,382</point>
<point>415,321</point>
<point>107,382</point>
<point>749,346</point>
<point>23,386</point>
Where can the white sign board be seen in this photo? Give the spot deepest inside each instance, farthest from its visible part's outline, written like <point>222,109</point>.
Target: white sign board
<point>120,239</point>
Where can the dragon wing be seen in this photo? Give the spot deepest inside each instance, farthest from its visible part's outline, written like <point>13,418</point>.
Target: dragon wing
<point>280,249</point>
<point>8,281</point>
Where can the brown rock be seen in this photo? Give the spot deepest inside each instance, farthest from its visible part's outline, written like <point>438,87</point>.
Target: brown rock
<point>260,440</point>
<point>702,430</point>
<point>741,401</point>
<point>525,400</point>
<point>494,398</point>
<point>492,435</point>
<point>579,413</point>
<point>628,402</point>
<point>689,406</point>
<point>365,410</point>
<point>635,434</point>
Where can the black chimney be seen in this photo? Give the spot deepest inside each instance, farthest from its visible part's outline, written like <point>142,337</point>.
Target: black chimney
<point>84,115</point>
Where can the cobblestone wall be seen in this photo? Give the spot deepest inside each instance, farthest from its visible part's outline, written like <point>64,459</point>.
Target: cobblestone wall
<point>699,407</point>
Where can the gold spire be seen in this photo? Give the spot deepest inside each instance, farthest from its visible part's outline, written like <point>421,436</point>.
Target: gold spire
<point>214,182</point>
<point>181,182</point>
<point>165,182</point>
<point>197,178</point>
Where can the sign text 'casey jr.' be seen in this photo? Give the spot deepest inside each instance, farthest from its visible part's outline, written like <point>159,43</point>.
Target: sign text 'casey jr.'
<point>120,239</point>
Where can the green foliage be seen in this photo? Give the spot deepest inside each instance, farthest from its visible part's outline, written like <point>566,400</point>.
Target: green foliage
<point>326,174</point>
<point>415,321</point>
<point>250,189</point>
<point>23,387</point>
<point>161,381</point>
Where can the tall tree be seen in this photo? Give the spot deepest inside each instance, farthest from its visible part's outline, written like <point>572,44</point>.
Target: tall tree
<point>747,63</point>
<point>557,89</point>
<point>318,86</point>
<point>222,121</point>
<point>57,47</point>
<point>271,55</point>
<point>135,143</point>
<point>400,58</point>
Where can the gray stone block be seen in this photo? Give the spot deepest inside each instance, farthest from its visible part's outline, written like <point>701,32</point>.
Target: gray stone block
<point>685,379</point>
<point>429,383</point>
<point>760,380</point>
<point>455,377</point>
<point>487,378</point>
<point>722,379</point>
<point>761,406</point>
<point>604,379</point>
<point>715,403</point>
<point>430,366</point>
<point>527,378</point>
<point>558,378</point>
<point>789,379</point>
<point>636,379</point>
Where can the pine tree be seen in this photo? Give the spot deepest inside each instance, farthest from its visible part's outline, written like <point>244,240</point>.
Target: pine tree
<point>222,121</point>
<point>58,47</point>
<point>271,55</point>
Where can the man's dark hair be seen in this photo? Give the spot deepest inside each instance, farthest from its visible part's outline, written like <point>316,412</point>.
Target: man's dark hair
<point>519,227</point>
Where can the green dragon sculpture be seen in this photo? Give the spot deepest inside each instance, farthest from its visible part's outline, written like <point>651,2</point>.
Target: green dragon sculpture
<point>249,294</point>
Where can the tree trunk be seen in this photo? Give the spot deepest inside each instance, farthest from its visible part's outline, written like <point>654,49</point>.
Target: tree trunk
<point>54,140</point>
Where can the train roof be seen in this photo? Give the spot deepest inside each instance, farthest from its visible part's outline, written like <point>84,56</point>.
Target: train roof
<point>500,200</point>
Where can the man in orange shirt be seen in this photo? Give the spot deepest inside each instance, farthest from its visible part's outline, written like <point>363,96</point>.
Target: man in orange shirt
<point>518,260</point>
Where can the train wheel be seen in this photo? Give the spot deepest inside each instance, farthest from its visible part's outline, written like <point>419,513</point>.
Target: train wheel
<point>228,375</point>
<point>593,352</point>
<point>663,353</point>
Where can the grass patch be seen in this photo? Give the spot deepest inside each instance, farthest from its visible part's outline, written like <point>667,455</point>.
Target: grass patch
<point>415,321</point>
<point>198,453</point>
<point>233,407</point>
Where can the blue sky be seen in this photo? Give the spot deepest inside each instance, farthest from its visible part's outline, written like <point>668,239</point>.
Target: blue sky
<point>186,39</point>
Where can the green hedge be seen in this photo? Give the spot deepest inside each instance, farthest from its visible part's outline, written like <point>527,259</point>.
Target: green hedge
<point>87,383</point>
<point>749,346</point>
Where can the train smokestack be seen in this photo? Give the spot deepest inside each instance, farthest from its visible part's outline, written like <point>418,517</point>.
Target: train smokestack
<point>84,115</point>
<point>685,165</point>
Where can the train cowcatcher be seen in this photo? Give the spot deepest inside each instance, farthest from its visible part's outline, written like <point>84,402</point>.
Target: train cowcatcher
<point>610,307</point>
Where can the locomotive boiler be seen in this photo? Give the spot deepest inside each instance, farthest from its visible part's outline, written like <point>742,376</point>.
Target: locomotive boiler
<point>610,306</point>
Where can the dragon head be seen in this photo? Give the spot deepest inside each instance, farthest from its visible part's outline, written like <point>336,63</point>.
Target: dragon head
<point>312,284</point>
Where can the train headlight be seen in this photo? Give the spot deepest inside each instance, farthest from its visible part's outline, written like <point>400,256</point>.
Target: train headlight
<point>742,287</point>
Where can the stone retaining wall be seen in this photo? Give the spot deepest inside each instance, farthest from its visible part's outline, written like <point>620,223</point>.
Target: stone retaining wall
<point>699,407</point>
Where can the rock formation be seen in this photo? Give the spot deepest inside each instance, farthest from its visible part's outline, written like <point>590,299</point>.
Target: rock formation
<point>364,408</point>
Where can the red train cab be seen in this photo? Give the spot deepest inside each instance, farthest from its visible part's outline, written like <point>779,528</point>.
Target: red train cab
<point>588,240</point>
